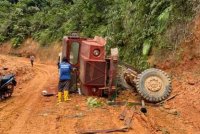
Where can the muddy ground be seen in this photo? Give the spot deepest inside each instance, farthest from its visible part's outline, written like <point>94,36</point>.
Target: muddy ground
<point>30,112</point>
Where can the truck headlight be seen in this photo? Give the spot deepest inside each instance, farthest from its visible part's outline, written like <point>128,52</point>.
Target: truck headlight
<point>96,52</point>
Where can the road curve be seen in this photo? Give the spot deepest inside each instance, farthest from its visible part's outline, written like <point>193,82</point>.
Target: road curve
<point>15,112</point>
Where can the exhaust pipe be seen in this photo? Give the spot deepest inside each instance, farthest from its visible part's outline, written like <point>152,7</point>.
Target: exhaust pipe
<point>143,109</point>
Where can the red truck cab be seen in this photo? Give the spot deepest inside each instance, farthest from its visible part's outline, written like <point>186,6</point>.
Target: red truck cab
<point>96,71</point>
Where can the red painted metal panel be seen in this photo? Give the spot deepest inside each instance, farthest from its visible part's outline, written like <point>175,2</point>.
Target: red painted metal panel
<point>92,72</point>
<point>88,46</point>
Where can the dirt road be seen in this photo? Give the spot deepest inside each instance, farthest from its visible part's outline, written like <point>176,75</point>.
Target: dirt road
<point>16,112</point>
<point>29,112</point>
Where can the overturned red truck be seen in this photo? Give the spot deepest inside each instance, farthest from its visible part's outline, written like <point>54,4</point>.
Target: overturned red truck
<point>96,72</point>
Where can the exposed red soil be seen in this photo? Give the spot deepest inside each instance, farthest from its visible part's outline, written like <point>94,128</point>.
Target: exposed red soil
<point>27,111</point>
<point>44,54</point>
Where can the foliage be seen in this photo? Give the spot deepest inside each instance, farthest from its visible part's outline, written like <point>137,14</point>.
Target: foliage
<point>94,103</point>
<point>134,26</point>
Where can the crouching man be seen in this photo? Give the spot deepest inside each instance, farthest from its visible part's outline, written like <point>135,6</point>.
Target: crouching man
<point>64,79</point>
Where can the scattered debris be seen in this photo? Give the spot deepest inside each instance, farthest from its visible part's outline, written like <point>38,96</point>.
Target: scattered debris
<point>129,117</point>
<point>123,113</point>
<point>76,107</point>
<point>47,94</point>
<point>173,112</point>
<point>164,130</point>
<point>132,103</point>
<point>58,118</point>
<point>44,114</point>
<point>166,106</point>
<point>4,68</point>
<point>123,129</point>
<point>117,103</point>
<point>77,115</point>
<point>191,83</point>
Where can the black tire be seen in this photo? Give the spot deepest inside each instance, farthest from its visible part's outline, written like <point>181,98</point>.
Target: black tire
<point>163,84</point>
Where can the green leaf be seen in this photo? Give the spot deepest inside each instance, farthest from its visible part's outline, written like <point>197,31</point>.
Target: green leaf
<point>146,47</point>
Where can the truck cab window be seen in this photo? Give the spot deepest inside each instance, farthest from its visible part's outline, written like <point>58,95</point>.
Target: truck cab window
<point>74,53</point>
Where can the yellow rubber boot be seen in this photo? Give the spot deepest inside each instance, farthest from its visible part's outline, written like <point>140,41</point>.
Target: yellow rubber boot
<point>66,95</point>
<point>59,97</point>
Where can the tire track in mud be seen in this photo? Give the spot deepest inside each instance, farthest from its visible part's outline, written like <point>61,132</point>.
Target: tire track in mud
<point>14,116</point>
<point>12,100</point>
<point>29,104</point>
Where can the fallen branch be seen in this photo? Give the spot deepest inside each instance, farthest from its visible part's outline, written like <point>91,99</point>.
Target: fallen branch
<point>170,98</point>
<point>123,129</point>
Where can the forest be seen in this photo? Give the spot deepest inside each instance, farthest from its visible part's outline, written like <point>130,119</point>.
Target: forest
<point>136,27</point>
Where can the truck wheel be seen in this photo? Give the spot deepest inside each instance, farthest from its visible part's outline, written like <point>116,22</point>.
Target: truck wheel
<point>154,85</point>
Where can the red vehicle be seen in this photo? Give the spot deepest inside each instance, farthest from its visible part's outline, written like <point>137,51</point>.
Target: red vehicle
<point>95,70</point>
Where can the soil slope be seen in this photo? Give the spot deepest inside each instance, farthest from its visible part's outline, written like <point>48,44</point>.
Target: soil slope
<point>29,112</point>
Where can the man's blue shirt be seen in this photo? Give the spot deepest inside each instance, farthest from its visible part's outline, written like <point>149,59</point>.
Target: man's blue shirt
<point>65,71</point>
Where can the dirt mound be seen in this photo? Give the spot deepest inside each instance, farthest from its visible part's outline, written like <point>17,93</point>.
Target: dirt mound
<point>22,72</point>
<point>187,51</point>
<point>185,73</point>
<point>46,54</point>
<point>186,83</point>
